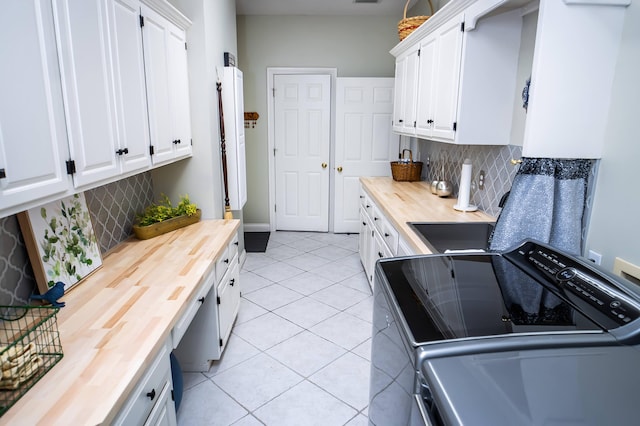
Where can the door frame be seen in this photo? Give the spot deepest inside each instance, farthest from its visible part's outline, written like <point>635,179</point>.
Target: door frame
<point>271,73</point>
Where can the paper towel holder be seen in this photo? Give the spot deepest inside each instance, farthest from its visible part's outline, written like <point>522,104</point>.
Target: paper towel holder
<point>464,189</point>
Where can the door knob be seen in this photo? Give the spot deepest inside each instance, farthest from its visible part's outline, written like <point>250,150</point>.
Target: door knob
<point>339,169</point>
<point>324,165</point>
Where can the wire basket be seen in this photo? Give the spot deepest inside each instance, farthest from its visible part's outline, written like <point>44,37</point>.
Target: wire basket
<point>408,25</point>
<point>29,347</point>
<point>406,170</point>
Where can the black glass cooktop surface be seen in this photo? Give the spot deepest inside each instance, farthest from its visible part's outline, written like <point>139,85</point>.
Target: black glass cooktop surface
<point>532,289</point>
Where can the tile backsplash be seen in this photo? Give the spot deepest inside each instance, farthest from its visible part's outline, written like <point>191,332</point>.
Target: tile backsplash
<point>112,207</point>
<point>445,160</point>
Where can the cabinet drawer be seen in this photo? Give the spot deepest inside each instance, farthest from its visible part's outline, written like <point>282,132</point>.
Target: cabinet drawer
<point>233,247</point>
<point>192,309</point>
<point>390,236</point>
<point>148,391</point>
<point>222,264</point>
<point>229,302</point>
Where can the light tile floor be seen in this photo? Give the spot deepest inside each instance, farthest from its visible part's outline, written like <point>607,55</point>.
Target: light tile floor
<point>299,352</point>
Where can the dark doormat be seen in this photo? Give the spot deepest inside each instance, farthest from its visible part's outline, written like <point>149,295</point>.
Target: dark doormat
<point>256,242</point>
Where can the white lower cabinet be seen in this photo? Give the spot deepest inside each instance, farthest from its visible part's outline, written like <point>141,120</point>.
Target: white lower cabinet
<point>151,402</point>
<point>378,238</point>
<point>216,309</point>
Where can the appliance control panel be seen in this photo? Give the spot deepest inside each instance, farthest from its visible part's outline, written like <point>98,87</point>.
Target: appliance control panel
<point>573,278</point>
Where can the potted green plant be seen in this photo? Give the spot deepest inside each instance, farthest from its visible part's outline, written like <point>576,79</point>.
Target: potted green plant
<point>160,218</point>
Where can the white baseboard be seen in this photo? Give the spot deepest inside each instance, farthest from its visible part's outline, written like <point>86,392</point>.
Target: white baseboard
<point>257,227</point>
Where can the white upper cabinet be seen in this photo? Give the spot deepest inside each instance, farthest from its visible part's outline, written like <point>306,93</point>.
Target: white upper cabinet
<point>102,72</point>
<point>471,76</point>
<point>233,107</point>
<point>574,62</point>
<point>406,85</point>
<point>130,92</point>
<point>33,139</point>
<point>165,53</point>
<point>438,81</point>
<point>466,77</point>
<point>87,79</point>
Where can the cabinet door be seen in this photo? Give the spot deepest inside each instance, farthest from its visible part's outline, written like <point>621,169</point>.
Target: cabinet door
<point>233,105</point>
<point>167,87</point>
<point>405,92</point>
<point>157,77</point>
<point>33,139</point>
<point>448,56</point>
<point>87,79</point>
<point>131,96</point>
<point>398,94</point>
<point>409,88</point>
<point>229,302</point>
<point>178,90</point>
<point>426,86</point>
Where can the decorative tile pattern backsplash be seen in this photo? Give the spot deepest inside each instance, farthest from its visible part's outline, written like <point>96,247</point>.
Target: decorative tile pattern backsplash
<point>494,160</point>
<point>112,207</point>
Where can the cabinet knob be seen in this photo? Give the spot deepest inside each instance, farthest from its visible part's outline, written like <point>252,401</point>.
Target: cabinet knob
<point>236,243</point>
<point>151,395</point>
<point>3,174</point>
<point>380,255</point>
<point>226,261</point>
<point>429,121</point>
<point>201,300</point>
<point>375,218</point>
<point>364,223</point>
<point>232,282</point>
<point>386,235</point>
<point>400,121</point>
<point>339,169</point>
<point>177,141</point>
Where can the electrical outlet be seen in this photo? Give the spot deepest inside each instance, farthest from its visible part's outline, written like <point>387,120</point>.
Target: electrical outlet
<point>595,257</point>
<point>481,178</point>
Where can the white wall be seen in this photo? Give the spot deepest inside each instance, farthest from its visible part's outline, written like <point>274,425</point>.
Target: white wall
<point>614,230</point>
<point>356,46</point>
<point>212,33</point>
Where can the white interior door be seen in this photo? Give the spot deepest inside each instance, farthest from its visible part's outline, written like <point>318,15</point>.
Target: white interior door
<point>302,120</point>
<point>364,112</point>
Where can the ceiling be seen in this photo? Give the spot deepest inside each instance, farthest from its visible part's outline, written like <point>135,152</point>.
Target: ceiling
<point>321,7</point>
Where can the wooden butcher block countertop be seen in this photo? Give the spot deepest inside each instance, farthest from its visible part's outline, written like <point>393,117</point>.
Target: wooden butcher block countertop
<point>115,322</point>
<point>403,202</point>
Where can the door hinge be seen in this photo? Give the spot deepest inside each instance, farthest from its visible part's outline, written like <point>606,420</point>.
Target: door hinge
<point>151,150</point>
<point>220,342</point>
<point>185,45</point>
<point>274,152</point>
<point>218,299</point>
<point>71,167</point>
<point>273,90</point>
<point>275,209</point>
<point>455,126</point>
<point>3,174</point>
<point>191,141</point>
<point>419,52</point>
<point>141,21</point>
<point>173,397</point>
<point>414,123</point>
<point>462,26</point>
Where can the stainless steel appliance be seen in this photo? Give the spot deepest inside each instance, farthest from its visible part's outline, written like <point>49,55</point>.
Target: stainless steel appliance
<point>577,386</point>
<point>530,298</point>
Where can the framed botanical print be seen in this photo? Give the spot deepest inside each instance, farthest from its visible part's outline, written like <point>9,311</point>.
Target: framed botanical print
<point>61,243</point>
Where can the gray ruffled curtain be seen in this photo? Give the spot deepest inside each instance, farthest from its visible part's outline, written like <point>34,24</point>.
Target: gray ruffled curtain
<point>546,203</point>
